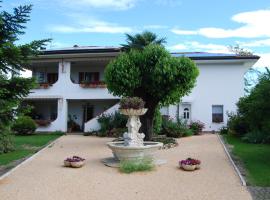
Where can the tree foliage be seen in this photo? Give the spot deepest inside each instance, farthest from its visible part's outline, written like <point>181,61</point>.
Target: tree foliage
<point>152,74</point>
<point>141,40</point>
<point>253,114</point>
<point>13,58</point>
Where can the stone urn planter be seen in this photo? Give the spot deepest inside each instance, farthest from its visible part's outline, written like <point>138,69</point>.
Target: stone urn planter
<point>133,147</point>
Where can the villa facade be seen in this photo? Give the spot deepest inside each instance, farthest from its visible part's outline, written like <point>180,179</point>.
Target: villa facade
<point>72,93</point>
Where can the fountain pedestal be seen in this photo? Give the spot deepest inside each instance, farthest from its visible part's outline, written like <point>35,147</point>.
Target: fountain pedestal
<point>133,147</point>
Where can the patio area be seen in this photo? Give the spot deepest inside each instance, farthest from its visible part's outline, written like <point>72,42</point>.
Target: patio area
<point>44,178</point>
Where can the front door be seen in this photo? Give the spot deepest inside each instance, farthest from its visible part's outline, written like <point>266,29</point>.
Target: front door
<point>185,112</point>
<point>88,113</point>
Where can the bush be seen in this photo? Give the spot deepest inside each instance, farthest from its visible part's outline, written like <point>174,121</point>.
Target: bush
<point>188,132</point>
<point>112,125</point>
<point>157,121</point>
<point>165,140</point>
<point>24,125</point>
<point>136,166</point>
<point>6,143</point>
<point>196,127</point>
<point>236,124</point>
<point>256,137</point>
<point>173,129</point>
<point>224,130</point>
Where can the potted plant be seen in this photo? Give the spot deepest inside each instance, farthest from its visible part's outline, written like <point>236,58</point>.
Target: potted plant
<point>132,106</point>
<point>190,164</point>
<point>74,162</point>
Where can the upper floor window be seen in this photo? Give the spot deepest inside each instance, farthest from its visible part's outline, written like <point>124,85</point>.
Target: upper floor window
<point>40,76</point>
<point>186,113</point>
<point>217,113</point>
<point>88,77</point>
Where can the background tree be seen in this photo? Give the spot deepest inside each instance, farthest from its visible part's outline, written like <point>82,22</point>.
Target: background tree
<point>13,58</point>
<point>139,41</point>
<point>152,74</point>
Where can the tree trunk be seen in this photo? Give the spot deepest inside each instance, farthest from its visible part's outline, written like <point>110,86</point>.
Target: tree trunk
<point>147,121</point>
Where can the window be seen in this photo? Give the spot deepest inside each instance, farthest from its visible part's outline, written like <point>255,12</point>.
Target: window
<point>217,113</point>
<point>40,77</point>
<point>52,78</point>
<point>88,77</point>
<point>186,113</point>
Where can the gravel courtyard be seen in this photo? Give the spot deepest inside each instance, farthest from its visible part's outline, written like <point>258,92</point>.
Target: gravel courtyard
<point>44,178</point>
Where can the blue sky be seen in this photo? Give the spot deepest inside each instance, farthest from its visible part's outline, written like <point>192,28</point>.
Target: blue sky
<point>188,25</point>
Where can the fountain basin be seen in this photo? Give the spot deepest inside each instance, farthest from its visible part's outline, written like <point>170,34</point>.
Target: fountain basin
<point>122,152</point>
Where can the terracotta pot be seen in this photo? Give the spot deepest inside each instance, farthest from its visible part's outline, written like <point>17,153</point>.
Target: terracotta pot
<point>188,167</point>
<point>67,163</point>
<point>77,164</point>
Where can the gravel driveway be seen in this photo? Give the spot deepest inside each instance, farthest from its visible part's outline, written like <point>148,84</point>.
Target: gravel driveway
<point>44,178</point>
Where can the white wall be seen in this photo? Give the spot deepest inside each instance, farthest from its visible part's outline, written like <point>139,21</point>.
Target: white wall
<point>219,83</point>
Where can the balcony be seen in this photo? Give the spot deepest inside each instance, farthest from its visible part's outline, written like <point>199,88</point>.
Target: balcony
<point>94,84</point>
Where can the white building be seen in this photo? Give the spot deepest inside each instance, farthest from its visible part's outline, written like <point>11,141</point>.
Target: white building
<point>71,87</point>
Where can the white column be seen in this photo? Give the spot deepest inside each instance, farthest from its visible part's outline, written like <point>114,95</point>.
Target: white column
<point>62,109</point>
<point>64,72</point>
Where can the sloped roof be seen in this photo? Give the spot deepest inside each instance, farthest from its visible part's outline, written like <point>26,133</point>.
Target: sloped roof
<point>108,49</point>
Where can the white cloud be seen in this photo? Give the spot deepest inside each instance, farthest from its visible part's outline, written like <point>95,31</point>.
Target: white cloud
<point>196,46</point>
<point>254,25</point>
<point>171,3</point>
<point>255,43</point>
<point>155,26</point>
<point>113,4</point>
<point>183,32</point>
<point>86,24</point>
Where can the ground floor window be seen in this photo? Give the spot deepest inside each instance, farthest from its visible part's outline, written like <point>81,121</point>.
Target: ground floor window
<point>217,113</point>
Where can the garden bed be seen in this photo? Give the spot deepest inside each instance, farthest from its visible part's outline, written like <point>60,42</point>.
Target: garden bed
<point>25,146</point>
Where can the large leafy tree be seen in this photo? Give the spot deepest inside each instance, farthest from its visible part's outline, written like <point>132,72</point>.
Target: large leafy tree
<point>153,74</point>
<point>13,58</point>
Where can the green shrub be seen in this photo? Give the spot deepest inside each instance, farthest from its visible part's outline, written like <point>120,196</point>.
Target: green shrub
<point>256,137</point>
<point>136,166</point>
<point>157,121</point>
<point>237,124</point>
<point>118,120</point>
<point>187,132</point>
<point>224,130</point>
<point>165,140</point>
<point>24,125</point>
<point>196,127</point>
<point>6,143</point>
<point>58,133</point>
<point>173,129</point>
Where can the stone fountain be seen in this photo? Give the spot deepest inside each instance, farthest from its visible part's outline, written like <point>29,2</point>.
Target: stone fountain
<point>133,147</point>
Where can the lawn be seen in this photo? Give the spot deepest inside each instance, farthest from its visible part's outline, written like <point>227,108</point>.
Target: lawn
<point>256,159</point>
<point>26,146</point>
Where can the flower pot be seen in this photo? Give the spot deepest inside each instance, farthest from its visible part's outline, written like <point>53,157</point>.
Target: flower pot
<point>77,164</point>
<point>198,166</point>
<point>131,111</point>
<point>188,167</point>
<point>67,163</point>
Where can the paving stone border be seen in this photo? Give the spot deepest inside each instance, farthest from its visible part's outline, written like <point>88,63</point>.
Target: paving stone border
<point>257,193</point>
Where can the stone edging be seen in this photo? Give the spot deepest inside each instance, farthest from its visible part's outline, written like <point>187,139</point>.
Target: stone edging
<point>28,159</point>
<point>232,162</point>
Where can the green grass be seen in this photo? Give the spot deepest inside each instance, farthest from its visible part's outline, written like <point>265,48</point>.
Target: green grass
<point>136,166</point>
<point>256,160</point>
<point>26,146</point>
